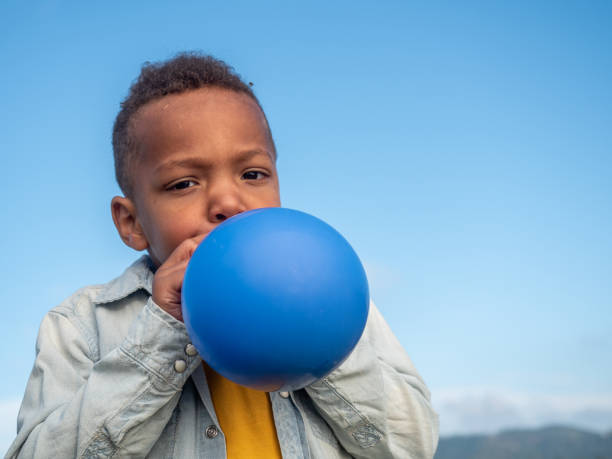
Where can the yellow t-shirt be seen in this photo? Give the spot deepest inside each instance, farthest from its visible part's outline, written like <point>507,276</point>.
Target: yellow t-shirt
<point>245,417</point>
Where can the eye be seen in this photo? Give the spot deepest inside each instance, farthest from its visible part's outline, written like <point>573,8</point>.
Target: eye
<point>254,175</point>
<point>183,184</point>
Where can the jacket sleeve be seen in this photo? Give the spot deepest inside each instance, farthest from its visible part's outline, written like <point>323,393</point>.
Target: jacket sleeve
<point>375,402</point>
<point>77,407</point>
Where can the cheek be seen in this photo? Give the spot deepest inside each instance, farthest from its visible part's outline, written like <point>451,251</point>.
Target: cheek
<point>275,201</point>
<point>179,229</point>
<point>271,196</point>
<point>169,234</point>
<point>264,199</point>
<point>275,198</point>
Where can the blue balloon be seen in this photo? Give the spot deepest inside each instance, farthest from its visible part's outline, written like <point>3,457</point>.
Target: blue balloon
<point>275,299</point>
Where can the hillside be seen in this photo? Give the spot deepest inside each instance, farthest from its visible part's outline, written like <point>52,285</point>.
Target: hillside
<point>549,442</point>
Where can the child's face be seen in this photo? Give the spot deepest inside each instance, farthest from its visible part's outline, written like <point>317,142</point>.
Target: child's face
<point>203,156</point>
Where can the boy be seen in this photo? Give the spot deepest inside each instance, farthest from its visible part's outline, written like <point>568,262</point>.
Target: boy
<point>115,373</point>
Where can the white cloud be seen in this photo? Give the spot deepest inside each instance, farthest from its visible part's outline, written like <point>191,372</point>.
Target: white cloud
<point>489,410</point>
<point>8,423</point>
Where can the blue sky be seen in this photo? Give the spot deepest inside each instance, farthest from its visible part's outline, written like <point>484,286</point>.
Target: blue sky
<point>464,150</point>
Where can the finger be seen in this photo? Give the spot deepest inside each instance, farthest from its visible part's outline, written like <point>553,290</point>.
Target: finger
<point>197,240</point>
<point>185,250</point>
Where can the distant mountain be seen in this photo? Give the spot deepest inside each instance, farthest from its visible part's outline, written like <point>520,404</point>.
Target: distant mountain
<point>555,442</point>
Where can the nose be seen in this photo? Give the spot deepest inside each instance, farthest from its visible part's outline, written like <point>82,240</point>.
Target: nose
<point>224,200</point>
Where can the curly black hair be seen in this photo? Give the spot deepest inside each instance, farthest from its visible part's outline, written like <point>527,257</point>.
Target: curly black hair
<point>184,72</point>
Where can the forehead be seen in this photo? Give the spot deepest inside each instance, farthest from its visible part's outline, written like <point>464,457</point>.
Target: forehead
<point>205,106</point>
<point>195,118</point>
<point>194,99</point>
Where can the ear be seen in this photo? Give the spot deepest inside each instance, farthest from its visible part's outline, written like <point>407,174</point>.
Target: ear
<point>127,224</point>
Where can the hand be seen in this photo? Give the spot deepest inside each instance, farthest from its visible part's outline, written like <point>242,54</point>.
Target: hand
<point>168,279</point>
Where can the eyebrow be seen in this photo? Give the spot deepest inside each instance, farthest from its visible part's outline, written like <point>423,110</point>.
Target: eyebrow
<point>198,162</point>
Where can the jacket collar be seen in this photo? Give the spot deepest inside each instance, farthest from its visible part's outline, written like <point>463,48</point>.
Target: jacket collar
<point>139,276</point>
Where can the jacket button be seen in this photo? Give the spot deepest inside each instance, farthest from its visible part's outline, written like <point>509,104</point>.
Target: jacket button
<point>190,350</point>
<point>212,431</point>
<point>180,366</point>
<point>284,394</point>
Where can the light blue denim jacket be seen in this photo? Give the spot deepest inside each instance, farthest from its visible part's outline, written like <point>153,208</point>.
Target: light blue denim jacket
<point>106,382</point>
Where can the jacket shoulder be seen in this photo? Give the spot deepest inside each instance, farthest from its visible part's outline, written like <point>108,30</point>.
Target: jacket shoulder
<point>80,310</point>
